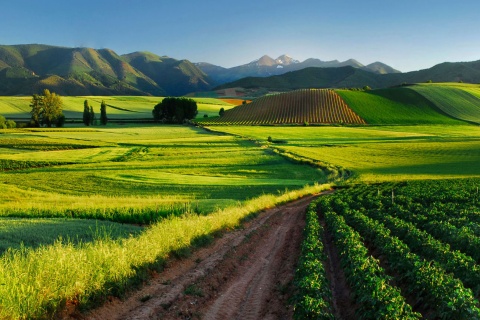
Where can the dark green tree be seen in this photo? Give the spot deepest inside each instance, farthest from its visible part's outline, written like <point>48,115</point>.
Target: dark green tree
<point>175,110</point>
<point>37,105</point>
<point>103,113</point>
<point>221,112</point>
<point>92,116</point>
<point>86,113</point>
<point>60,122</point>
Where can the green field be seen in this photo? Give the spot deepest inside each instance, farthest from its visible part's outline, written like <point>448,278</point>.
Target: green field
<point>461,101</point>
<point>380,153</point>
<point>86,211</point>
<point>118,107</point>
<point>394,106</point>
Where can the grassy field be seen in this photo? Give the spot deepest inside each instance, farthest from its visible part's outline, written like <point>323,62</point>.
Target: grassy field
<point>118,107</point>
<point>162,165</point>
<point>381,153</point>
<point>461,101</point>
<point>394,106</point>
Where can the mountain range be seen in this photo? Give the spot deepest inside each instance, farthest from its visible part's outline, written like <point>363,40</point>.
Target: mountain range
<point>350,77</point>
<point>267,66</point>
<point>30,68</point>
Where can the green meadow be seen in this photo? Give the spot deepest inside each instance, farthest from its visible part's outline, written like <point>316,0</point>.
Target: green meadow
<point>384,153</point>
<point>118,107</point>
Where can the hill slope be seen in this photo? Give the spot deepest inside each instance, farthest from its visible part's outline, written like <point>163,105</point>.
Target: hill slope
<point>27,69</point>
<point>459,101</point>
<point>296,107</point>
<point>177,77</point>
<point>400,105</point>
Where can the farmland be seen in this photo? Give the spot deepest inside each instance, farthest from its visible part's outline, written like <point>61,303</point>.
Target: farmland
<point>377,154</point>
<point>296,107</point>
<point>68,192</point>
<point>88,213</point>
<point>407,249</point>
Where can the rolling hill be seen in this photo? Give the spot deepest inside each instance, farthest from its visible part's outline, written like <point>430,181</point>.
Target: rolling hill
<point>316,106</point>
<point>439,104</point>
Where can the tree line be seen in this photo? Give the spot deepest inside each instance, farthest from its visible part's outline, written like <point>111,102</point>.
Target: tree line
<point>47,109</point>
<point>89,115</point>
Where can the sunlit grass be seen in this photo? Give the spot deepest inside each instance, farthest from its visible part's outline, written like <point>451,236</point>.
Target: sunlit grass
<point>36,283</point>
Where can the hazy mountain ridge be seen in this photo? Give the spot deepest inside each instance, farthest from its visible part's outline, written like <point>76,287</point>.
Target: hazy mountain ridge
<point>350,77</point>
<point>267,66</point>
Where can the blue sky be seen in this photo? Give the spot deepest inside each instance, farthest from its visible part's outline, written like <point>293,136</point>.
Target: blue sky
<point>406,34</point>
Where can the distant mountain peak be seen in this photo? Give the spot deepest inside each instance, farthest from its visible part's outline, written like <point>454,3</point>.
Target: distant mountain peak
<point>285,60</point>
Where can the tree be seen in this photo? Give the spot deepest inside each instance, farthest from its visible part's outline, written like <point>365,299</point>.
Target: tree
<point>367,88</point>
<point>37,105</point>
<point>60,121</point>
<point>221,112</point>
<point>103,113</point>
<point>175,110</point>
<point>92,116</point>
<point>46,108</point>
<point>86,113</point>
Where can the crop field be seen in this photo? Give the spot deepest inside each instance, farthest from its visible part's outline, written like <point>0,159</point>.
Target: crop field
<point>408,251</point>
<point>379,153</point>
<point>296,107</point>
<point>118,107</point>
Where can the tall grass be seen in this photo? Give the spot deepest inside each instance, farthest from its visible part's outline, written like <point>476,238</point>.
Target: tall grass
<point>37,283</point>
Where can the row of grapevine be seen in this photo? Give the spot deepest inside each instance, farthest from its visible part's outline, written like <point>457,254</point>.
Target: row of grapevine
<point>378,299</point>
<point>317,106</point>
<point>313,300</point>
<point>429,253</point>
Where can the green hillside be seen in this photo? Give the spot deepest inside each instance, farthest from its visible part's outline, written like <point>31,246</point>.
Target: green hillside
<point>461,101</point>
<point>28,69</point>
<point>394,106</point>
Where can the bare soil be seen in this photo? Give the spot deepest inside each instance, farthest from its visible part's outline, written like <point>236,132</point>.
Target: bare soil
<point>245,274</point>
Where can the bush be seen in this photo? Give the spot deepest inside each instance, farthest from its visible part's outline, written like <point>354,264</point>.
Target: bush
<point>7,124</point>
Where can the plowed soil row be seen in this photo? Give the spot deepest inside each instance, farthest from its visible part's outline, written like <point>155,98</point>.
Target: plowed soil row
<point>245,274</point>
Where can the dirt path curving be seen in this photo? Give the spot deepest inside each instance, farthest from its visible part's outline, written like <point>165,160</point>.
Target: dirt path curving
<point>245,274</point>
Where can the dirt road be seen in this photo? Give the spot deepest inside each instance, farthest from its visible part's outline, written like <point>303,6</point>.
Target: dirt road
<point>246,274</point>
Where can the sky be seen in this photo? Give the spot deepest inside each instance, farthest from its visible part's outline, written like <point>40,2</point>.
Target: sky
<point>405,34</point>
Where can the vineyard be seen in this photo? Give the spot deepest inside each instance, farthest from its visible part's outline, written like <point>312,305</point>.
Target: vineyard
<point>408,250</point>
<point>313,106</point>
